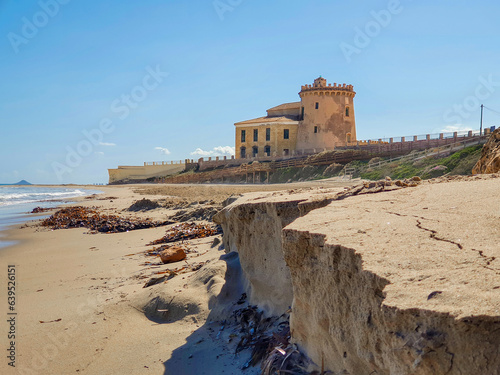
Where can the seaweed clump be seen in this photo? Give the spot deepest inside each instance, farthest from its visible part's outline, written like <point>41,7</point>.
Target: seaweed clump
<point>84,217</point>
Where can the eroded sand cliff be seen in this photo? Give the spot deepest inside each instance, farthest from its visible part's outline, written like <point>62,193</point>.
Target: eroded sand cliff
<point>400,282</point>
<point>253,227</point>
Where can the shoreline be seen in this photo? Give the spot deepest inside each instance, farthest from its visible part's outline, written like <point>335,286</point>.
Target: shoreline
<point>21,214</point>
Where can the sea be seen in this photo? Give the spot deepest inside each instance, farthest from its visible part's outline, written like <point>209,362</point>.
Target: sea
<point>16,202</point>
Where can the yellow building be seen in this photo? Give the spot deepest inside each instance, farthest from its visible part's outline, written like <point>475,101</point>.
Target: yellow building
<point>323,119</point>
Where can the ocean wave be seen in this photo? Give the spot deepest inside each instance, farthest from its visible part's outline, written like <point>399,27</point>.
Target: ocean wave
<point>35,195</point>
<point>10,197</point>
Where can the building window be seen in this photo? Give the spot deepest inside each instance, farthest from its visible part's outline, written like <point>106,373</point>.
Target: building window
<point>348,137</point>
<point>267,150</point>
<point>255,135</point>
<point>317,105</point>
<point>347,111</point>
<point>243,135</point>
<point>315,129</point>
<point>268,134</point>
<point>243,152</point>
<point>286,152</point>
<point>286,134</point>
<point>302,114</point>
<point>255,151</point>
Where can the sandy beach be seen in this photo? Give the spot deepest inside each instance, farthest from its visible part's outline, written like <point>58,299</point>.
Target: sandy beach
<point>80,302</point>
<point>82,305</point>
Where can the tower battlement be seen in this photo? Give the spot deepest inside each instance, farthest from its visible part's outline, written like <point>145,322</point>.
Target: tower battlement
<point>320,87</point>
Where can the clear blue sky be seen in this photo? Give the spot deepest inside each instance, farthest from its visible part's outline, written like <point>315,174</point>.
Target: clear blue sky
<point>67,66</point>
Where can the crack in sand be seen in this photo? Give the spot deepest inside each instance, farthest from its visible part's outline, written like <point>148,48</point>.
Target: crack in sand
<point>488,259</point>
<point>415,216</point>
<point>434,236</point>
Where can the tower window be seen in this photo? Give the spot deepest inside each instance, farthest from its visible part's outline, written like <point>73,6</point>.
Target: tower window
<point>243,135</point>
<point>286,152</point>
<point>255,135</point>
<point>286,134</point>
<point>267,150</point>
<point>315,129</point>
<point>243,152</point>
<point>268,134</point>
<point>347,111</point>
<point>255,151</point>
<point>317,105</point>
<point>302,114</point>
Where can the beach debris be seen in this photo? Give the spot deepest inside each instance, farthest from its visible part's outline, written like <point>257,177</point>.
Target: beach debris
<point>268,339</point>
<point>433,294</point>
<point>143,205</point>
<point>38,210</point>
<point>50,321</point>
<point>157,280</point>
<point>155,251</point>
<point>286,361</point>
<point>242,299</point>
<point>215,242</point>
<point>84,217</point>
<point>196,266</point>
<point>370,187</point>
<point>172,254</point>
<point>187,231</point>
<point>250,320</point>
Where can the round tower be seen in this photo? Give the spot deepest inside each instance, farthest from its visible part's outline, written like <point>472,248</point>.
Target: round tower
<point>327,116</point>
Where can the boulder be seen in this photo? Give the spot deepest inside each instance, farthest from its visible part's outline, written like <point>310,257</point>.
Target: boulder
<point>489,162</point>
<point>172,254</point>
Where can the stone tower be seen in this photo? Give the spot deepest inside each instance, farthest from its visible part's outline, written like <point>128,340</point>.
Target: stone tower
<point>327,116</point>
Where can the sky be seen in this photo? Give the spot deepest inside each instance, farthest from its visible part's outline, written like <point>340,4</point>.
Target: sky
<point>90,85</point>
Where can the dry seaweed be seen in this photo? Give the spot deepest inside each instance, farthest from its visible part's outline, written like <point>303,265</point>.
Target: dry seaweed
<point>187,231</point>
<point>38,210</point>
<point>269,342</point>
<point>84,217</point>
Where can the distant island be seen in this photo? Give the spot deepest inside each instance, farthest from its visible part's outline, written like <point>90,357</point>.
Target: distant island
<point>22,182</point>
